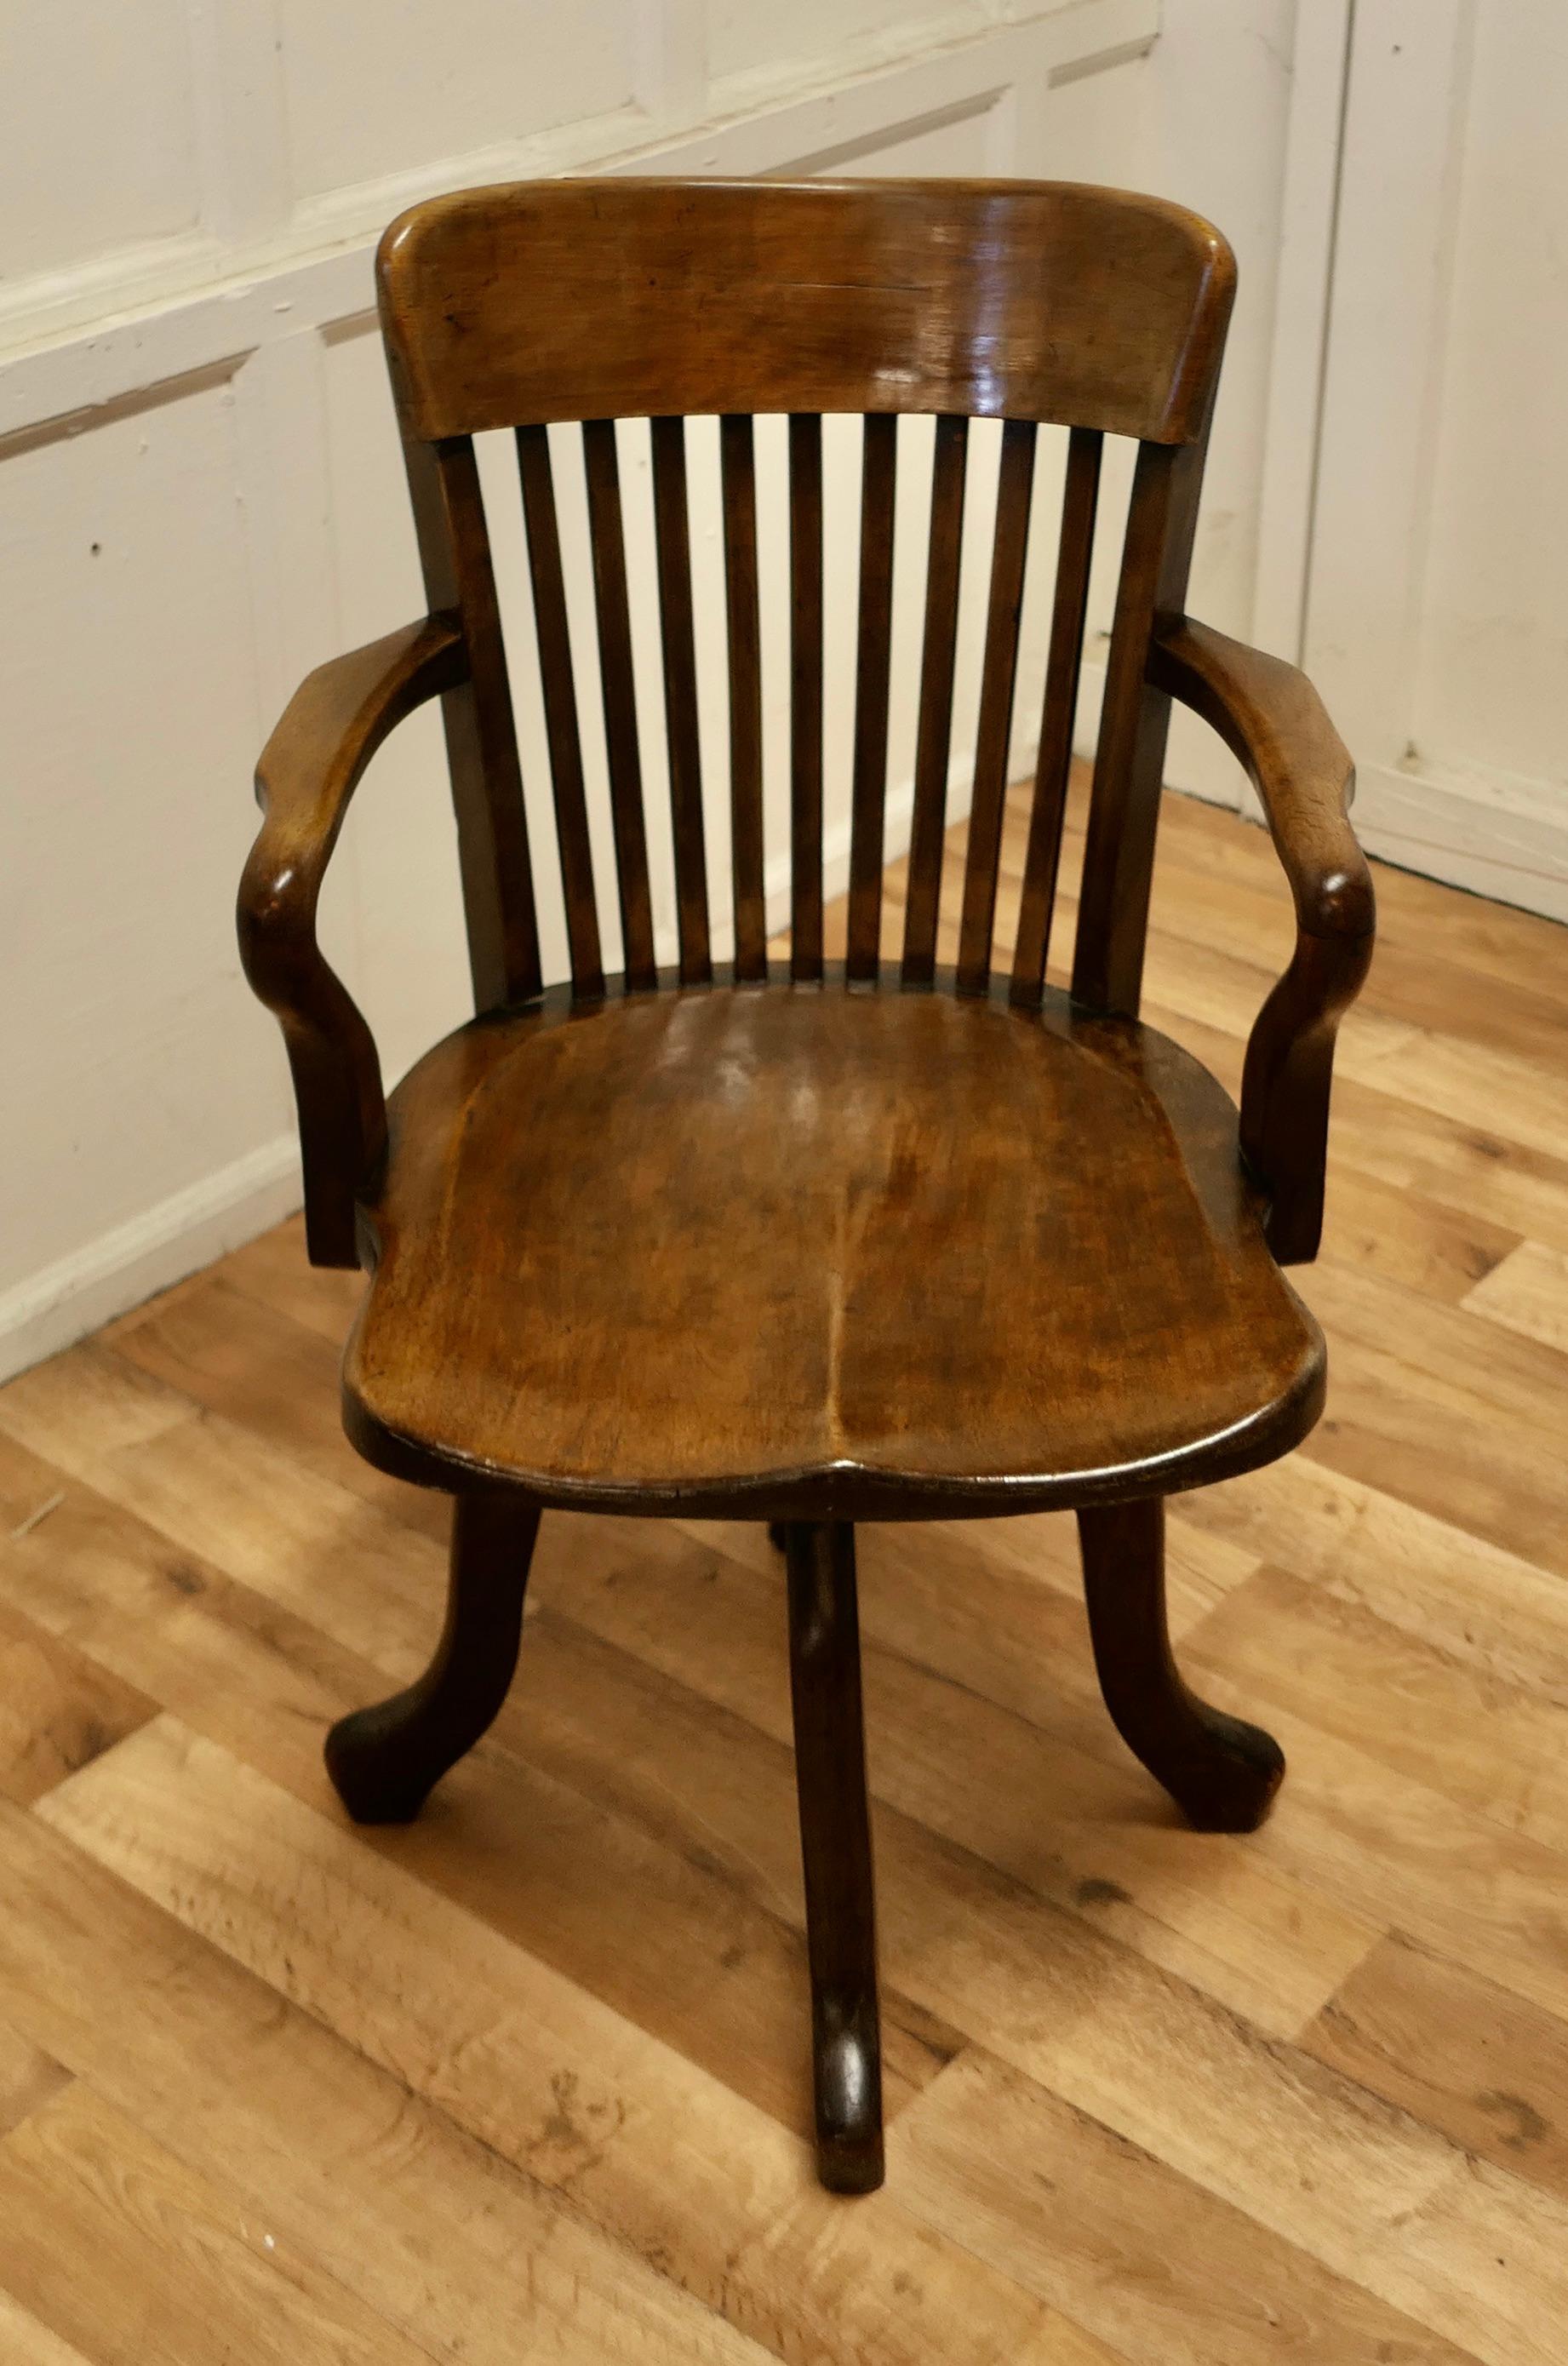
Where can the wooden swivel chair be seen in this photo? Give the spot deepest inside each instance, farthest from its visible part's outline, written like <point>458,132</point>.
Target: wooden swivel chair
<point>799,1242</point>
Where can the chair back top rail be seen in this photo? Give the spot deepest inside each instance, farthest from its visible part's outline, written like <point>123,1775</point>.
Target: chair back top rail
<point>633,298</point>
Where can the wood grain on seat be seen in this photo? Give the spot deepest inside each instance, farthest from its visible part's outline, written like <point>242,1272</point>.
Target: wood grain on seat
<point>851,1250</point>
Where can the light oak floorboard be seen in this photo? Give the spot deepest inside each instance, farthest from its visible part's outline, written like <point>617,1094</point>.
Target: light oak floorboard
<point>128,2253</point>
<point>25,2342</point>
<point>568,2091</point>
<point>1526,1291</point>
<point>1457,2051</point>
<point>1162,2267</point>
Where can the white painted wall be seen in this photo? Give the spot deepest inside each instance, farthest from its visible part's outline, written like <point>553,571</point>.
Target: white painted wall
<point>200,495</point>
<point>1492,668</point>
<point>1428,494</point>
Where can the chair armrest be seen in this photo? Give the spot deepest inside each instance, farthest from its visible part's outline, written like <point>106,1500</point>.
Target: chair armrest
<point>1272,720</point>
<point>308,770</point>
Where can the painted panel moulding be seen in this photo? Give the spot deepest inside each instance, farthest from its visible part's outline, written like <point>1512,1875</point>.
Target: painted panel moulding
<point>91,335</point>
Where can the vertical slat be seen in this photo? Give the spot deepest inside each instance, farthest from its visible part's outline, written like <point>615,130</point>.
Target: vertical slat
<point>869,791</point>
<point>612,611</point>
<point>806,694</point>
<point>739,466</point>
<point>673,539</point>
<point>481,741</point>
<point>994,728</point>
<point>561,709</point>
<point>1080,497</point>
<point>934,735</point>
<point>1119,854</point>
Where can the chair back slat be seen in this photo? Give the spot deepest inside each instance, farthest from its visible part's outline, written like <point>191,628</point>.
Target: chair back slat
<point>481,738</point>
<point>873,653</point>
<point>1080,498</point>
<point>553,635</point>
<point>672,537</point>
<point>806,694</point>
<point>1123,813</point>
<point>611,609</point>
<point>994,730</point>
<point>934,730</point>
<point>738,465</point>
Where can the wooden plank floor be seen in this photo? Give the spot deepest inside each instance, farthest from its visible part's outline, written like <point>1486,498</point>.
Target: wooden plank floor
<point>529,2080</point>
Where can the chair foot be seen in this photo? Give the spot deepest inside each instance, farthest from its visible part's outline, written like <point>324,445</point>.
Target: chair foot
<point>1222,1773</point>
<point>384,1760</point>
<point>835,1839</point>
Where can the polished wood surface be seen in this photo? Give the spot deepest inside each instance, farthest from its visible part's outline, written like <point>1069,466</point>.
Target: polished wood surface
<point>560,710</point>
<point>618,689</point>
<point>873,658</point>
<point>823,1254</point>
<point>992,298</point>
<point>1222,1773</point>
<point>531,2078</point>
<point>1057,301</point>
<point>934,737</point>
<point>743,624</point>
<point>482,741</point>
<point>835,1835</point>
<point>1273,721</point>
<point>1129,760</point>
<point>993,730</point>
<point>385,1760</point>
<point>308,770</point>
<point>671,525</point>
<point>806,695</point>
<point>1053,761</point>
<point>816,1253</point>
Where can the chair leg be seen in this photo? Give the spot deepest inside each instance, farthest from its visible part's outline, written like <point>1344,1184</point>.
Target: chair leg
<point>384,1760</point>
<point>835,1838</point>
<point>1221,1774</point>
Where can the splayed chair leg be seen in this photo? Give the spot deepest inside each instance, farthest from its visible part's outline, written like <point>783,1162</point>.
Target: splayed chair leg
<point>1222,1773</point>
<point>835,1838</point>
<point>384,1760</point>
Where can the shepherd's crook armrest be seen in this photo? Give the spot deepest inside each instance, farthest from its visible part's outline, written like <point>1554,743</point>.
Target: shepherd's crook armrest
<point>1273,721</point>
<point>308,770</point>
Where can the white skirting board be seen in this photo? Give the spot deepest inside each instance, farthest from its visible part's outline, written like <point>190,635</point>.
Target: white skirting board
<point>1498,835</point>
<point>156,1249</point>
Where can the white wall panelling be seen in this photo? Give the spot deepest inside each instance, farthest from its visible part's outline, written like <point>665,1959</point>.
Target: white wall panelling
<point>205,404</point>
<point>119,165</point>
<point>1308,224</point>
<point>1437,614</point>
<point>1407,66</point>
<point>143,1107</point>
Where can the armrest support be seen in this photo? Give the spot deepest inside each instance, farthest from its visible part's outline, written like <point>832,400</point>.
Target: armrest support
<point>308,770</point>
<point>1272,720</point>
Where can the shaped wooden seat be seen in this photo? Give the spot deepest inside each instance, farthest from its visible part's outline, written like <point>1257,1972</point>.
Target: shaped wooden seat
<point>840,1254</point>
<point>804,1245</point>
